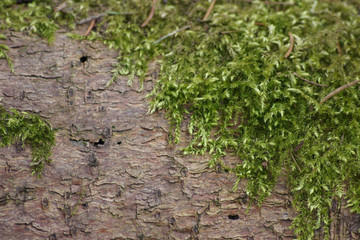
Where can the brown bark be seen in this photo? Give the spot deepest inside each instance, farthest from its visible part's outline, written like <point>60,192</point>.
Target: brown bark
<point>114,175</point>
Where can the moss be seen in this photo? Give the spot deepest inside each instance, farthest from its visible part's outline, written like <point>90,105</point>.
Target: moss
<point>242,87</point>
<point>3,54</point>
<point>31,130</point>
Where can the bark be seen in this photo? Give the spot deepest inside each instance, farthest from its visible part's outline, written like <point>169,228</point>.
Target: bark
<point>114,175</point>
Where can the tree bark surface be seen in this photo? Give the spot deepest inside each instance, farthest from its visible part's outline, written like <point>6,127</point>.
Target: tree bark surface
<point>114,175</point>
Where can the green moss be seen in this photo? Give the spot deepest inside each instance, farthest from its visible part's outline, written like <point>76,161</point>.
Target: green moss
<point>3,54</point>
<point>30,130</point>
<point>229,74</point>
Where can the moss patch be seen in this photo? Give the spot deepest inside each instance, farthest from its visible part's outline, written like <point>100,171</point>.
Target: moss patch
<point>253,79</point>
<point>31,130</point>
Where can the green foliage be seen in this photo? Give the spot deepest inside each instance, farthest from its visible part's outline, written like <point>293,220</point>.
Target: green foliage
<point>31,130</point>
<point>230,77</point>
<point>242,95</point>
<point>3,54</point>
<point>36,17</point>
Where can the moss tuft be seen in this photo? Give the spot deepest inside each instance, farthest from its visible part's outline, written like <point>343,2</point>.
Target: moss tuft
<point>31,130</point>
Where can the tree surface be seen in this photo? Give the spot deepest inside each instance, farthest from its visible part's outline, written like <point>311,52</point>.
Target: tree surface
<point>114,175</point>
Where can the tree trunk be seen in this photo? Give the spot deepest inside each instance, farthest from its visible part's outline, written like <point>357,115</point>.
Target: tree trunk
<point>114,175</point>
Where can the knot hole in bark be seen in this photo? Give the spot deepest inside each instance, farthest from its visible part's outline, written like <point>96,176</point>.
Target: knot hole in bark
<point>83,59</point>
<point>233,217</point>
<point>99,143</point>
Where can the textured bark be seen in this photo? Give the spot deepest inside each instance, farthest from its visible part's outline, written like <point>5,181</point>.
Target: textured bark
<point>114,175</point>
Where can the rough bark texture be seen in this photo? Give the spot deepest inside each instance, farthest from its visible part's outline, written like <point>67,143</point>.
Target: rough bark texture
<point>114,175</point>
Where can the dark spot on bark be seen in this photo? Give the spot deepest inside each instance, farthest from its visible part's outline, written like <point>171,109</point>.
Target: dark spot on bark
<point>70,93</point>
<point>183,172</point>
<point>19,146</point>
<point>218,168</point>
<point>233,217</point>
<point>85,205</point>
<point>73,230</point>
<point>158,194</point>
<point>119,193</point>
<point>67,209</point>
<point>288,203</point>
<point>99,143</point>
<point>89,96</point>
<point>73,129</point>
<point>217,202</point>
<point>67,195</point>
<point>172,221</point>
<point>107,132</point>
<point>196,229</point>
<point>154,75</point>
<point>250,238</point>
<point>83,59</point>
<point>22,195</point>
<point>45,202</point>
<point>334,205</point>
<point>4,199</point>
<point>22,95</point>
<point>75,64</point>
<point>52,236</point>
<point>243,198</point>
<point>119,143</point>
<point>93,162</point>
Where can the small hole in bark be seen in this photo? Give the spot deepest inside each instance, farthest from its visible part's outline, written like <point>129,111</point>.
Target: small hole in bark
<point>85,205</point>
<point>233,217</point>
<point>83,59</point>
<point>119,142</point>
<point>100,142</point>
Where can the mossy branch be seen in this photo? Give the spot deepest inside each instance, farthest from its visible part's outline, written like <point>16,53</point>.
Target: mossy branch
<point>234,66</point>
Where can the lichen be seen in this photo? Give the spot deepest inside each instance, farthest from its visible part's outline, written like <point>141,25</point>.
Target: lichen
<point>252,79</point>
<point>28,129</point>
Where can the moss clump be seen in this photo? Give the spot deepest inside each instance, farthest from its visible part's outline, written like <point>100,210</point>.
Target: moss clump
<point>37,17</point>
<point>242,85</point>
<point>3,54</point>
<point>30,130</point>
